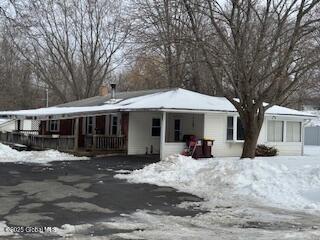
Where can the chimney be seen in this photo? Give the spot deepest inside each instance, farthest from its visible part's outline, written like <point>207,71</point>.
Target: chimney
<point>103,90</point>
<point>113,90</point>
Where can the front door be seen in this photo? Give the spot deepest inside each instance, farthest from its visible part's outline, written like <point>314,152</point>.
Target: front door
<point>177,130</point>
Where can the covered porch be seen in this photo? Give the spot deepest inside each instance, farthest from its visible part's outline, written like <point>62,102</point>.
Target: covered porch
<point>162,132</point>
<point>176,127</point>
<point>88,135</point>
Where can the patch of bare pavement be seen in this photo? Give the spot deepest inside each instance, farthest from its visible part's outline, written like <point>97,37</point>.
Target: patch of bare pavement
<point>53,199</point>
<point>82,199</point>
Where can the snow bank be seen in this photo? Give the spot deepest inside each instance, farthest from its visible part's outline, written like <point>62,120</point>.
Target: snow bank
<point>8,154</point>
<point>144,224</point>
<point>287,182</point>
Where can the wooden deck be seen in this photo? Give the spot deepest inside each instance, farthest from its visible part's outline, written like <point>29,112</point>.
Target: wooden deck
<point>94,145</point>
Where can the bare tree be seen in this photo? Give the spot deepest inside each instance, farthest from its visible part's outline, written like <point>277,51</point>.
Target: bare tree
<point>145,73</point>
<point>265,48</point>
<point>159,31</point>
<point>17,88</point>
<point>72,45</point>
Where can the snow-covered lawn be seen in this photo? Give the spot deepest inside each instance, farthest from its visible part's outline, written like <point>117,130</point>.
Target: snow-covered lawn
<point>236,192</point>
<point>8,154</point>
<point>286,182</point>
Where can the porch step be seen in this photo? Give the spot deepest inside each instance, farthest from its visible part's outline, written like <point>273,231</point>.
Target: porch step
<point>19,147</point>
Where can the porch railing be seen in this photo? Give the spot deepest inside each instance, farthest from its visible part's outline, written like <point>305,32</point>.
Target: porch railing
<point>102,142</point>
<point>110,142</point>
<point>27,132</point>
<point>65,143</point>
<point>38,141</point>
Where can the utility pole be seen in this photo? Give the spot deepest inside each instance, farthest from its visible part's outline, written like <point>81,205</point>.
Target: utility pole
<point>47,97</point>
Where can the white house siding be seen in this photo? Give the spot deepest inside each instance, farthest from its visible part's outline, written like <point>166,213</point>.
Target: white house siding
<point>215,127</point>
<point>139,134</point>
<point>285,148</point>
<point>173,148</point>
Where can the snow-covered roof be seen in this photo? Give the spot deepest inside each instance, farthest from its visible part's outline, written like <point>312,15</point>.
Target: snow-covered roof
<point>2,120</point>
<point>170,100</point>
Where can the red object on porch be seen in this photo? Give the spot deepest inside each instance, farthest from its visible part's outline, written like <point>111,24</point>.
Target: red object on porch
<point>198,148</point>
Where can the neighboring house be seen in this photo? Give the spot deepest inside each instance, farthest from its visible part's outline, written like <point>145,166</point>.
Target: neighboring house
<point>156,122</point>
<point>312,129</point>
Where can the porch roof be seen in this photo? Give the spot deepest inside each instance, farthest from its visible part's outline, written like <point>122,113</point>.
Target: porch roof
<point>162,100</point>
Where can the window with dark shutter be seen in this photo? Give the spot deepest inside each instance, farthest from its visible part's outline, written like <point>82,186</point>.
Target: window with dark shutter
<point>230,128</point>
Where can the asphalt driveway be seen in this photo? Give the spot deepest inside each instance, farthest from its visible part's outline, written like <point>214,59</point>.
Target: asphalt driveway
<point>79,192</point>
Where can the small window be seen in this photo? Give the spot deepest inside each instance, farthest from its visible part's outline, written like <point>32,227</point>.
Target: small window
<point>240,130</point>
<point>275,131</point>
<point>293,132</point>
<point>230,128</point>
<point>54,125</point>
<point>156,127</point>
<point>89,125</point>
<point>114,125</point>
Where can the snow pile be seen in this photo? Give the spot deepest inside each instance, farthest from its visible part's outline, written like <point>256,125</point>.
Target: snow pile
<point>288,182</point>
<point>8,154</point>
<point>215,225</point>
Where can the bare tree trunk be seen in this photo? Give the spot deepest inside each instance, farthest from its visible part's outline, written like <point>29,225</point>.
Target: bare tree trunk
<point>252,124</point>
<point>260,48</point>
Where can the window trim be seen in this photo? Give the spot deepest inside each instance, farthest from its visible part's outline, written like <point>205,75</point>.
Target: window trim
<point>112,125</point>
<point>87,125</point>
<point>283,130</point>
<point>235,130</point>
<point>230,128</point>
<point>176,130</point>
<point>155,127</point>
<point>300,131</point>
<point>57,126</point>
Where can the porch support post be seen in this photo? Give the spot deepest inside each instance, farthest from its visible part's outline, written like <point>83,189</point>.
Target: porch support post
<point>94,133</point>
<point>76,135</point>
<point>163,135</point>
<point>302,131</point>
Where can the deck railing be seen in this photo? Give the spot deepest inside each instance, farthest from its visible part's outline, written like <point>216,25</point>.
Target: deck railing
<point>62,142</point>
<point>39,141</point>
<point>110,142</point>
<point>27,132</point>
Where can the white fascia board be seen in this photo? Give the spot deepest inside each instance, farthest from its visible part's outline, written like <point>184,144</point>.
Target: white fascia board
<point>288,117</point>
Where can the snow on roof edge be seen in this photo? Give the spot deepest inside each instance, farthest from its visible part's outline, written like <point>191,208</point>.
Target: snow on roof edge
<point>174,99</point>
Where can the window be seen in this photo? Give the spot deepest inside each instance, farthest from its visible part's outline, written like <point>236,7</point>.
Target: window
<point>114,125</point>
<point>240,130</point>
<point>54,126</point>
<point>156,127</point>
<point>293,132</point>
<point>89,125</point>
<point>230,128</point>
<point>275,131</point>
<point>177,130</point>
